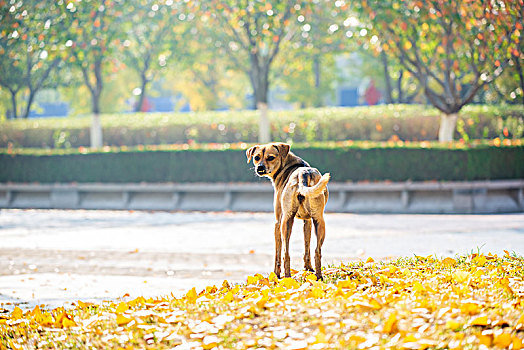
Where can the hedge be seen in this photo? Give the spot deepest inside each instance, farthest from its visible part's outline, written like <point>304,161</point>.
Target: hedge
<point>344,164</point>
<point>377,123</point>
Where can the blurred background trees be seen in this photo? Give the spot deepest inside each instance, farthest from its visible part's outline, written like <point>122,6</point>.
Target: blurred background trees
<point>30,51</point>
<point>453,49</point>
<point>113,56</point>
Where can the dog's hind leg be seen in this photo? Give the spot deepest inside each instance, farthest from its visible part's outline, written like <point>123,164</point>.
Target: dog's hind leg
<point>320,231</point>
<point>286,227</point>
<point>278,249</point>
<point>307,241</point>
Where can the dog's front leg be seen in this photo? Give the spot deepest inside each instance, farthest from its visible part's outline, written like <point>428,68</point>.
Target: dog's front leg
<point>278,249</point>
<point>286,226</point>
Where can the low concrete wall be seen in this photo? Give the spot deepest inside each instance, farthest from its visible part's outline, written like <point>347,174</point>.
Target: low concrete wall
<point>503,196</point>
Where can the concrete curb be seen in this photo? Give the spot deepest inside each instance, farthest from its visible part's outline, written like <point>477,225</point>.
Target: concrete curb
<point>479,197</point>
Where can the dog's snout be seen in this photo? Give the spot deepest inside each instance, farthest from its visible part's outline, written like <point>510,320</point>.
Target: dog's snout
<point>261,169</point>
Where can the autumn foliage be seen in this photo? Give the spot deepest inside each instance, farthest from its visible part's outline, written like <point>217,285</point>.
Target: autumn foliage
<point>416,303</point>
<point>453,48</point>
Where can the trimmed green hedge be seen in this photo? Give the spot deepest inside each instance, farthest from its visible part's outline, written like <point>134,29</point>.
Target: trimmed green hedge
<point>376,123</point>
<point>344,164</point>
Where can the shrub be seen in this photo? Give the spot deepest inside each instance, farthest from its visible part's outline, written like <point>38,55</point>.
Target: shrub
<point>358,162</point>
<point>377,123</point>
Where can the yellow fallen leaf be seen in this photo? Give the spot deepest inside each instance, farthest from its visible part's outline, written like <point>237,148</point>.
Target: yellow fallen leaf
<point>311,277</point>
<point>317,293</point>
<point>480,321</point>
<point>516,343</point>
<point>461,276</point>
<point>122,320</point>
<point>122,307</point>
<point>390,325</point>
<point>83,305</point>
<point>17,313</point>
<point>470,308</point>
<point>64,321</point>
<point>346,284</point>
<point>228,297</point>
<point>192,296</point>
<point>502,340</point>
<point>370,260</point>
<point>485,339</point>
<point>356,339</point>
<point>273,277</point>
<point>137,301</point>
<point>449,262</point>
<point>225,285</point>
<point>36,311</point>
<point>262,301</point>
<point>289,282</point>
<point>480,260</point>
<point>44,319</point>
<point>453,325</point>
<point>418,287</point>
<point>520,322</point>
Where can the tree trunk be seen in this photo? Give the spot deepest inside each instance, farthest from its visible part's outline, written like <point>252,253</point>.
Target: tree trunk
<point>142,96</point>
<point>29,104</point>
<point>316,69</point>
<point>144,81</point>
<point>96,127</point>
<point>261,93</point>
<point>259,81</point>
<point>447,127</point>
<point>399,86</point>
<point>96,131</point>
<point>14,114</point>
<point>387,79</point>
<point>264,135</point>
<point>521,77</point>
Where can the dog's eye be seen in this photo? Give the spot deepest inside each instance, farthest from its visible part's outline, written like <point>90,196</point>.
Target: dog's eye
<point>270,158</point>
<point>257,158</point>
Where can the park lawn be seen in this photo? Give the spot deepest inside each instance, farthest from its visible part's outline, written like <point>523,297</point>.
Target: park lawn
<point>408,303</point>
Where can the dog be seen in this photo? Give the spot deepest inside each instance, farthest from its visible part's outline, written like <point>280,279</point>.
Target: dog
<point>301,192</point>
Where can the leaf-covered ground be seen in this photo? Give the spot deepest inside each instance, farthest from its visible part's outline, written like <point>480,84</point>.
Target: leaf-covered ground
<point>468,302</point>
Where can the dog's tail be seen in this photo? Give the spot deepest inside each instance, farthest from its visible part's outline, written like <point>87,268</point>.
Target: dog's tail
<point>315,190</point>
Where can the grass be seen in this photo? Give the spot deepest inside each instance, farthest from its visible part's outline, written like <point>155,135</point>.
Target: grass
<point>466,302</point>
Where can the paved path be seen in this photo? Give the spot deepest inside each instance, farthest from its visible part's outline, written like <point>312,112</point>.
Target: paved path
<point>54,257</point>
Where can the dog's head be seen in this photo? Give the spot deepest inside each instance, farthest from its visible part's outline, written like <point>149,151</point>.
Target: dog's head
<point>268,158</point>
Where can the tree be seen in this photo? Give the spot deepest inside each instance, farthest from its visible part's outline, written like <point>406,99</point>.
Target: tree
<point>207,79</point>
<point>31,48</point>
<point>153,30</point>
<point>402,91</point>
<point>252,34</point>
<point>452,48</point>
<point>308,68</point>
<point>94,32</point>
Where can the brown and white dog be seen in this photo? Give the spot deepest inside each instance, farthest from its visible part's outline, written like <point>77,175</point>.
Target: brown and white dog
<point>301,192</point>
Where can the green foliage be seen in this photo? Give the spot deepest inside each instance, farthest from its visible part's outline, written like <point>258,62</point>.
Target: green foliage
<point>377,123</point>
<point>345,163</point>
<point>31,49</point>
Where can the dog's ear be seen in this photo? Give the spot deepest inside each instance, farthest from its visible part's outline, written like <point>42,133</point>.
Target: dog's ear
<point>283,149</point>
<point>250,152</point>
